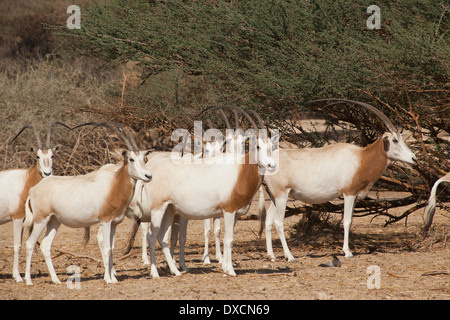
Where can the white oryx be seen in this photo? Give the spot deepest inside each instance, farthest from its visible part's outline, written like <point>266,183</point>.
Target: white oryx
<point>14,186</point>
<point>318,175</point>
<point>234,140</point>
<point>81,201</point>
<point>209,149</point>
<point>430,209</point>
<point>200,191</point>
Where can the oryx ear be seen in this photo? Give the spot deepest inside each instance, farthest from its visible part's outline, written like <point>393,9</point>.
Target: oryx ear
<point>386,143</point>
<point>147,152</point>
<point>56,148</point>
<point>125,156</point>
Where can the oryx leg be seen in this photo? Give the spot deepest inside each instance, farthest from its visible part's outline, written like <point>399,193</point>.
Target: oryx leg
<point>152,244</point>
<point>178,231</point>
<point>279,225</point>
<point>163,238</point>
<point>275,214</point>
<point>229,222</point>
<point>155,226</point>
<point>183,234</point>
<point>38,228</point>
<point>46,246</point>
<point>269,222</point>
<point>18,231</point>
<point>101,245</point>
<point>144,232</point>
<point>206,231</point>
<point>106,243</point>
<point>349,205</point>
<point>174,233</point>
<point>216,222</point>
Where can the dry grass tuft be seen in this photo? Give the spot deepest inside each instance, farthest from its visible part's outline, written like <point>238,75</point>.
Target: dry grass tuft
<point>46,91</point>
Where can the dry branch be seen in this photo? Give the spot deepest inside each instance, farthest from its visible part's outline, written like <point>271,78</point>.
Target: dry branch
<point>62,252</point>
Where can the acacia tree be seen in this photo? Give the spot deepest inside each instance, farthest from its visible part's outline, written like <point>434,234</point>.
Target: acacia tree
<point>274,56</point>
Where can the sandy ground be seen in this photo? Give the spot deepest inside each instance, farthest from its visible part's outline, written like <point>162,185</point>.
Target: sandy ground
<point>409,268</point>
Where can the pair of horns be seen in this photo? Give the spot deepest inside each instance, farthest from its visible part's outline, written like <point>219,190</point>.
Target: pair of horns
<point>38,139</point>
<point>227,122</point>
<point>236,116</point>
<point>123,133</point>
<point>372,109</point>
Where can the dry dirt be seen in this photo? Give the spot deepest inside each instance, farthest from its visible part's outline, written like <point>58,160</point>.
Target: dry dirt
<point>410,268</point>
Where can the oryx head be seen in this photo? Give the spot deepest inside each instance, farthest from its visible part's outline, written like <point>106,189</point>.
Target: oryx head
<point>260,146</point>
<point>44,155</point>
<point>267,146</point>
<point>133,157</point>
<point>394,145</point>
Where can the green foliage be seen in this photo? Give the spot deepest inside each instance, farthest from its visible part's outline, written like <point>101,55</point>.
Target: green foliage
<point>272,53</point>
<point>275,56</point>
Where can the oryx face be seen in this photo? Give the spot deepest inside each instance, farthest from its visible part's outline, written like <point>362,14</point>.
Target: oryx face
<point>45,162</point>
<point>212,149</point>
<point>268,151</point>
<point>396,149</point>
<point>136,165</point>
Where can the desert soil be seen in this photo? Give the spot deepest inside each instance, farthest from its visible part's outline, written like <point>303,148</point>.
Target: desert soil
<point>410,267</point>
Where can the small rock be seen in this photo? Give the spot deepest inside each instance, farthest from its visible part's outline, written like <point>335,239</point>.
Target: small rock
<point>320,295</point>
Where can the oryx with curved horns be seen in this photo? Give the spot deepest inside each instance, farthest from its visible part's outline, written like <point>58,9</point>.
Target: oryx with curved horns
<point>81,201</point>
<point>200,191</point>
<point>318,175</point>
<point>15,184</point>
<point>430,209</point>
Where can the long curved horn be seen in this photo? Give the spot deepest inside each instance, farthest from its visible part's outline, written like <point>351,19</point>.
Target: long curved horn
<point>49,134</point>
<point>217,108</point>
<point>252,122</point>
<point>260,121</point>
<point>229,107</point>
<point>225,119</point>
<point>38,140</point>
<point>206,109</point>
<point>210,124</point>
<point>130,137</point>
<point>234,108</point>
<point>104,124</point>
<point>374,110</point>
<point>236,119</point>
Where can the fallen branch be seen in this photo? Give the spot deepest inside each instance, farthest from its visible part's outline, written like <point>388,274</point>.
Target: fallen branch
<point>405,214</point>
<point>62,252</point>
<point>435,273</point>
<point>128,255</point>
<point>363,208</point>
<point>395,275</point>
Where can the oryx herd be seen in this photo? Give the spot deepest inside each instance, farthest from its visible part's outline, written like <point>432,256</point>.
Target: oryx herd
<point>156,188</point>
